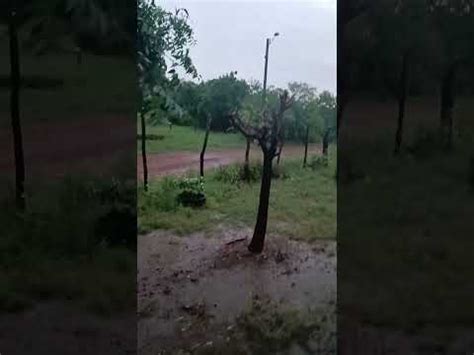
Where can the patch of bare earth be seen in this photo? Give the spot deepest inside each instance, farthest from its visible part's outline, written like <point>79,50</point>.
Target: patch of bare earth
<point>192,289</point>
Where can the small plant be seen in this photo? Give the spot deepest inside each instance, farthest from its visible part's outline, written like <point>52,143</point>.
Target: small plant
<point>318,161</point>
<point>191,192</point>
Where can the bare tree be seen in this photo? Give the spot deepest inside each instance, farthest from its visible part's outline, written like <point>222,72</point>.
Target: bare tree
<point>306,141</point>
<point>269,134</point>
<point>15,110</point>
<point>204,146</point>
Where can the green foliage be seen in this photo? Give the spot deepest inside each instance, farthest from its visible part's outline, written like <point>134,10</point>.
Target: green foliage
<point>191,192</point>
<point>318,161</point>
<point>161,35</point>
<point>300,198</point>
<point>238,173</point>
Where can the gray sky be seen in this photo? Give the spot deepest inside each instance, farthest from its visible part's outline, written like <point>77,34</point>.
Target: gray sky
<point>231,34</point>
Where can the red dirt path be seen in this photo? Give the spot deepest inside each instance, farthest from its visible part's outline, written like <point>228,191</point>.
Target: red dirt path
<point>175,163</point>
<point>93,145</point>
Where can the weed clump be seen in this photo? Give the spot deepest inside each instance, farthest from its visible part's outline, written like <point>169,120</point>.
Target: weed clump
<point>318,161</point>
<point>236,174</point>
<point>268,328</point>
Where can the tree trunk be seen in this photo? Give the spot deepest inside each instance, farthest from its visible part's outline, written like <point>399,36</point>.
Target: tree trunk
<point>326,142</point>
<point>401,103</point>
<point>258,239</point>
<point>306,141</point>
<point>15,112</point>
<point>341,104</point>
<point>279,153</point>
<point>203,151</point>
<point>246,161</point>
<point>447,105</point>
<point>144,159</point>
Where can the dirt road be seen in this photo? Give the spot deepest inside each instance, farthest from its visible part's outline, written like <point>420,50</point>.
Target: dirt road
<point>95,145</point>
<point>176,163</point>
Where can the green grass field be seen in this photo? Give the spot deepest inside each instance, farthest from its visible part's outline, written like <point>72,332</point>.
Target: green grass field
<point>183,138</point>
<point>302,205</point>
<point>404,236</point>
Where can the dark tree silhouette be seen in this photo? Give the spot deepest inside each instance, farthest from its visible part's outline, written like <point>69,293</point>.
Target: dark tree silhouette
<point>269,134</point>
<point>447,104</point>
<point>306,142</point>
<point>204,146</point>
<point>15,109</point>
<point>402,95</point>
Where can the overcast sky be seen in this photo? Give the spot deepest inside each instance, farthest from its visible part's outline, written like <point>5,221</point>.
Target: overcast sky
<point>231,34</point>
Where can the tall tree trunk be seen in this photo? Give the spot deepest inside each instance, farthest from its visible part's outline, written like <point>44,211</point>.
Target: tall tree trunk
<point>306,141</point>
<point>204,145</point>
<point>15,111</point>
<point>401,103</point>
<point>341,105</point>
<point>258,239</point>
<point>280,149</point>
<point>447,105</point>
<point>326,142</point>
<point>144,158</point>
<point>247,161</point>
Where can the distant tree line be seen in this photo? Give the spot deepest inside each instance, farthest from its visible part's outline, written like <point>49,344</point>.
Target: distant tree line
<point>217,97</point>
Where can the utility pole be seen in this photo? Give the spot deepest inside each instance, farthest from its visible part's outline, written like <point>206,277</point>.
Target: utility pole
<point>267,47</point>
<point>266,70</point>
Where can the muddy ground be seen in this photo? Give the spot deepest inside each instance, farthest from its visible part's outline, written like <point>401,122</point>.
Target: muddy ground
<point>193,289</point>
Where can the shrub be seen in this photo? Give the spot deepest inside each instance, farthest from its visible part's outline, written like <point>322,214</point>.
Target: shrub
<point>237,173</point>
<point>318,161</point>
<point>191,192</point>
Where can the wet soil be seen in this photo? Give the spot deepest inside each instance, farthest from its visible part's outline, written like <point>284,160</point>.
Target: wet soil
<point>191,288</point>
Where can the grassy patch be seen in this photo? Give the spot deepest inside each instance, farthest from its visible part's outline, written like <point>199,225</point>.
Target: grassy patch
<point>302,205</point>
<point>102,84</point>
<point>182,138</point>
<point>61,248</point>
<point>405,241</point>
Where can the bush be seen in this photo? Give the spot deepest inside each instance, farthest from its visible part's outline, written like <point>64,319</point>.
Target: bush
<point>318,161</point>
<point>237,173</point>
<point>191,192</point>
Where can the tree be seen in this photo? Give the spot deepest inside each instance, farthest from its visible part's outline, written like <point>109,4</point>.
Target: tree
<point>219,97</point>
<point>326,108</point>
<point>204,145</point>
<point>396,52</point>
<point>161,36</point>
<point>452,22</point>
<point>39,20</point>
<point>15,108</point>
<point>269,135</point>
